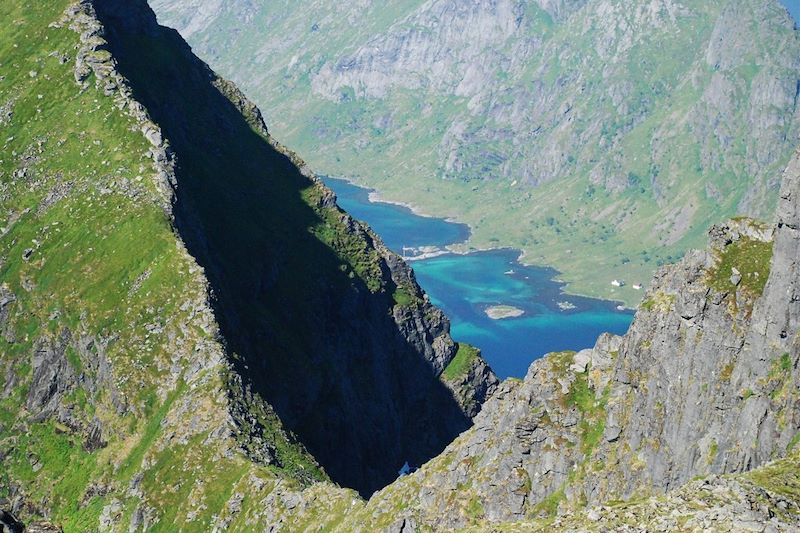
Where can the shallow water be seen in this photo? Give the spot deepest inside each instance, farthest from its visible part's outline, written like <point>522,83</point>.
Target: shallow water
<point>465,286</point>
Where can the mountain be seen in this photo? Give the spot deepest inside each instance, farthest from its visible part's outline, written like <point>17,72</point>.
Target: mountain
<point>601,137</point>
<point>658,430</point>
<point>194,337</point>
<point>705,383</point>
<point>184,309</point>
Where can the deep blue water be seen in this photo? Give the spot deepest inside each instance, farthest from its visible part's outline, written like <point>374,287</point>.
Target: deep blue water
<point>794,8</point>
<point>398,226</point>
<point>464,286</point>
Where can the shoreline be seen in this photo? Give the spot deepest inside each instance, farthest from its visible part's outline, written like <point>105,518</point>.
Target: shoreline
<point>424,256</point>
<point>374,196</point>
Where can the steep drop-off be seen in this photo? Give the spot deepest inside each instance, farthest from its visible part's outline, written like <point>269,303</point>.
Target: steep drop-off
<point>185,312</point>
<point>323,321</point>
<point>706,381</point>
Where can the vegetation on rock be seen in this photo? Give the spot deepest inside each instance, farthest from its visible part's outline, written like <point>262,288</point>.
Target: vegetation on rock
<point>146,217</point>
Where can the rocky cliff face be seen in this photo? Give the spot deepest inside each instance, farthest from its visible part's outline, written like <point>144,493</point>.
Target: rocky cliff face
<point>186,315</point>
<point>705,382</point>
<point>327,324</point>
<point>612,130</point>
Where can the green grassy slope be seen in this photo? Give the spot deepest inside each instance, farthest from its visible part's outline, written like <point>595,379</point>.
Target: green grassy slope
<point>165,270</point>
<point>92,274</point>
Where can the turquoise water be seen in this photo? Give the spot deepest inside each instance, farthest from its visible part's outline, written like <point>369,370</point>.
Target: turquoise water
<point>464,286</point>
<point>398,226</point>
<point>794,9</point>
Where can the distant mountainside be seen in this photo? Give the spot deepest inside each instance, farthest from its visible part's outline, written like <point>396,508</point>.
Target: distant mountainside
<point>602,137</point>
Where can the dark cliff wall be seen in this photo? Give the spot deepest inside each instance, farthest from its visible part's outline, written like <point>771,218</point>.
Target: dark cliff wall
<point>321,319</point>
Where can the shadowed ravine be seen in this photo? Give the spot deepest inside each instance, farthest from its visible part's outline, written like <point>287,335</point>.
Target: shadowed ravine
<point>310,336</point>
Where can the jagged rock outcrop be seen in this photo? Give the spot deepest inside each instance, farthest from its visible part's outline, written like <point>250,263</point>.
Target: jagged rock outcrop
<point>93,58</point>
<point>704,382</point>
<point>475,384</point>
<point>217,320</point>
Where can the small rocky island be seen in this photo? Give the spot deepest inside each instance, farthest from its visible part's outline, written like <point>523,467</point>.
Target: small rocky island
<point>498,312</point>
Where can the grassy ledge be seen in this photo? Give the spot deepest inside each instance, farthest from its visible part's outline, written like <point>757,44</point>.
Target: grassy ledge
<point>461,363</point>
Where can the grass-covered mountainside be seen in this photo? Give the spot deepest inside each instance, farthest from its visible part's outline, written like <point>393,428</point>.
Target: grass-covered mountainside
<point>187,319</point>
<point>602,137</point>
<point>194,337</point>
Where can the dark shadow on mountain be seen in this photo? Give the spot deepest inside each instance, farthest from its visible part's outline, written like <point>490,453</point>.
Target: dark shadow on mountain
<point>308,336</point>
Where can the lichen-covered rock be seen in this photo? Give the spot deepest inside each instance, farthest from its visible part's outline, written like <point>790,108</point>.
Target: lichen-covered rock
<point>7,299</point>
<point>53,376</point>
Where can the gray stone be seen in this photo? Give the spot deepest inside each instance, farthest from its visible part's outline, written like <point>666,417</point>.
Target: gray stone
<point>736,276</point>
<point>53,376</point>
<point>673,387</point>
<point>581,361</point>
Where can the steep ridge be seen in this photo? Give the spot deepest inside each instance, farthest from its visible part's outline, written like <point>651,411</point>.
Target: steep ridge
<point>127,403</point>
<point>325,323</point>
<point>706,381</point>
<point>176,288</point>
<point>602,137</point>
